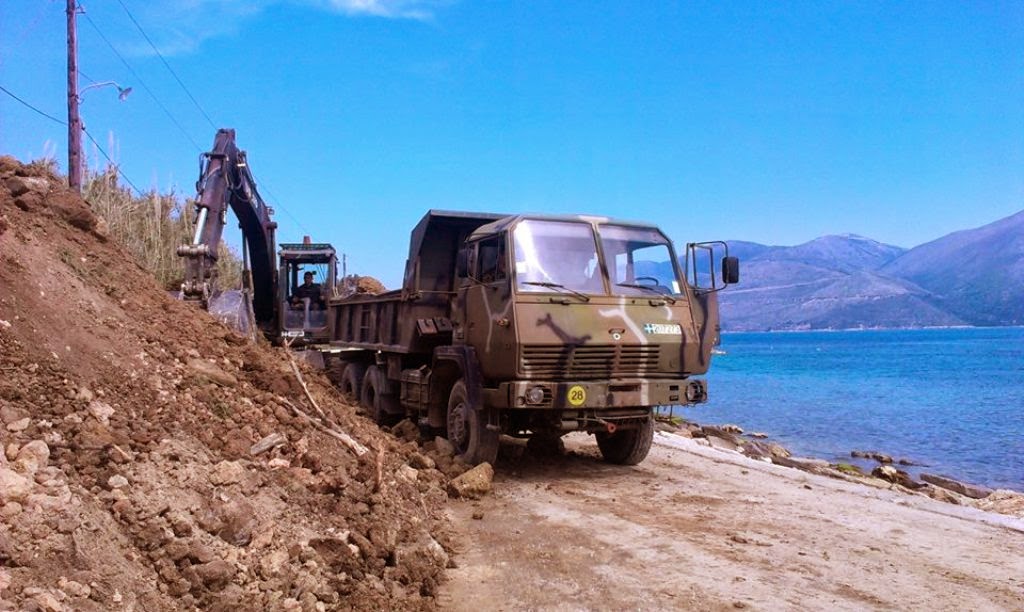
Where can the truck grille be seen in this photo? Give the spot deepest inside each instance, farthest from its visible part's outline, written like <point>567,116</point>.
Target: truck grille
<point>589,361</point>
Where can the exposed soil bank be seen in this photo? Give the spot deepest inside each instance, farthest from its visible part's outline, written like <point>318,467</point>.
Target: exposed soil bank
<point>154,460</point>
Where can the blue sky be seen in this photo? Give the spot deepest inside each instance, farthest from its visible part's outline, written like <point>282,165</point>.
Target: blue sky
<point>774,122</point>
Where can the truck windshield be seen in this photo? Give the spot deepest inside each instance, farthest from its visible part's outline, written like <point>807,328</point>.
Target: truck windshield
<point>639,261</point>
<point>557,255</point>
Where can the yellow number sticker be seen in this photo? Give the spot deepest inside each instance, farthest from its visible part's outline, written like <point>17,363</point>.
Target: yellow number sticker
<point>577,395</point>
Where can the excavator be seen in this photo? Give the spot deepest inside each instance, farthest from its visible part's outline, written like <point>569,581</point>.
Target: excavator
<point>283,293</point>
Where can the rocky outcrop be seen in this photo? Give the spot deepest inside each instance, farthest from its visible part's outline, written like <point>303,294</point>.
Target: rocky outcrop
<point>963,488</point>
<point>886,474</point>
<point>1003,501</point>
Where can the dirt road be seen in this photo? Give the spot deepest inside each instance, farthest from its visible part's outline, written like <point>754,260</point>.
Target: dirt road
<point>696,528</point>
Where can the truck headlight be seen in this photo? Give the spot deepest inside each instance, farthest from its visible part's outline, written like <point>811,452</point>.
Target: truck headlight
<point>535,395</point>
<point>696,392</point>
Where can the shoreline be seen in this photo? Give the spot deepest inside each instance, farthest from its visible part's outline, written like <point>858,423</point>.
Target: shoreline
<point>895,390</point>
<point>752,535</point>
<point>864,329</point>
<point>888,471</point>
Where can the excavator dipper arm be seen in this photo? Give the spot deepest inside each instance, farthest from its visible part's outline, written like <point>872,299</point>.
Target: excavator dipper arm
<point>225,181</point>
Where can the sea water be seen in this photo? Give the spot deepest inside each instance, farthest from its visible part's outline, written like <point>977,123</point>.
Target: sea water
<point>952,399</point>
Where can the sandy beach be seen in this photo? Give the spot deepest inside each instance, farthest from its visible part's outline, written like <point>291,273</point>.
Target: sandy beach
<point>694,527</point>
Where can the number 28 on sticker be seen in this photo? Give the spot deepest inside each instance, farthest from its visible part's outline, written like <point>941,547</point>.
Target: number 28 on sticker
<point>577,395</point>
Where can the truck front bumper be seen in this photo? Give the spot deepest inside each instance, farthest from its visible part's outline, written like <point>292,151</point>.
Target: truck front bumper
<point>596,395</point>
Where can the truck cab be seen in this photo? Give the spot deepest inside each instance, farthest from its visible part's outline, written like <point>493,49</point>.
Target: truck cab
<point>307,276</point>
<point>583,323</point>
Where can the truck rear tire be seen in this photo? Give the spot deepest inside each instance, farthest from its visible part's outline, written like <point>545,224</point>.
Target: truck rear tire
<point>627,446</point>
<point>380,406</point>
<point>352,381</point>
<point>467,430</point>
<point>336,371</point>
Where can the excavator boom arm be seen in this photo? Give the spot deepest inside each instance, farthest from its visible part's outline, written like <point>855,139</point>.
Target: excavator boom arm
<point>225,181</point>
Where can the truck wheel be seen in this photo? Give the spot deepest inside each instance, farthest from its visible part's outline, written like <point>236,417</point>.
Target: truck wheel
<point>352,381</point>
<point>336,371</point>
<point>627,446</point>
<point>382,407</point>
<point>467,429</point>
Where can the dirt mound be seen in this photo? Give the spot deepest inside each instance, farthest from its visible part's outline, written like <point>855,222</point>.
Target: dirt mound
<point>368,284</point>
<point>153,459</point>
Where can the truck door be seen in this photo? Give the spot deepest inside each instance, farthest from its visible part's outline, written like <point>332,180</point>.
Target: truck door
<point>486,305</point>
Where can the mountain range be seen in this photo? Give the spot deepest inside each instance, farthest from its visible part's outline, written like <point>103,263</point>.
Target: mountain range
<point>970,277</point>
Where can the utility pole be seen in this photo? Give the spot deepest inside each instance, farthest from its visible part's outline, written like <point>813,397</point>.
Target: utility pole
<point>74,120</point>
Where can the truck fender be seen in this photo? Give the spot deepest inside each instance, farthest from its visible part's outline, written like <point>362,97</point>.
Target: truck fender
<point>466,360</point>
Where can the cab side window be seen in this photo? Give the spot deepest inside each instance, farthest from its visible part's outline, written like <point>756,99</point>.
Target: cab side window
<point>491,258</point>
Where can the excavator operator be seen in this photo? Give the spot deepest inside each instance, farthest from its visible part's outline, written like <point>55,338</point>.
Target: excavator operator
<point>308,289</point>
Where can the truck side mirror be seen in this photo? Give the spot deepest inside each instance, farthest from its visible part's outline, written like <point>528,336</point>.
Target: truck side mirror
<point>462,263</point>
<point>730,270</point>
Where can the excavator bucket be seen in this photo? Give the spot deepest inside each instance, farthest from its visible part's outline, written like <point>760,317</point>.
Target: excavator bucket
<point>234,308</point>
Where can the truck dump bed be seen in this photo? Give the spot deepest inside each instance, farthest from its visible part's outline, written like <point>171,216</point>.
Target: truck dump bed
<point>417,317</point>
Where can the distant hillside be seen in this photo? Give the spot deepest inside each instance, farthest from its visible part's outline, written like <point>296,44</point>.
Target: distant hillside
<point>978,273</point>
<point>973,277</point>
<point>748,250</point>
<point>847,253</point>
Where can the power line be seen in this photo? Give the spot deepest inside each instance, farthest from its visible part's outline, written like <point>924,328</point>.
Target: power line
<point>111,162</point>
<point>277,200</point>
<point>277,204</point>
<point>141,82</point>
<point>184,88</point>
<point>26,104</point>
<point>270,192</point>
<point>64,123</point>
<point>166,65</point>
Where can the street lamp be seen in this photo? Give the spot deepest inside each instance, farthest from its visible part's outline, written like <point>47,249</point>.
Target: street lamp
<point>76,127</point>
<point>122,92</point>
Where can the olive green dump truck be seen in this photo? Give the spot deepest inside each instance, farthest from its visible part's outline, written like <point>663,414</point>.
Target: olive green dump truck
<point>534,326</point>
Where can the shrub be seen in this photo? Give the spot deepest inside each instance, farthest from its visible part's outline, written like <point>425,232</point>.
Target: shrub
<point>151,227</point>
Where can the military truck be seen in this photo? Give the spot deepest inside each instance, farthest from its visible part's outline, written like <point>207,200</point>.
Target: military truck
<point>534,326</point>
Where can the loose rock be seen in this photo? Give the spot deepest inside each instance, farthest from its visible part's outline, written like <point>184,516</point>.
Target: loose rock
<point>32,456</point>
<point>19,425</point>
<point>267,443</point>
<point>226,473</point>
<point>940,494</point>
<point>891,474</point>
<point>407,430</point>
<point>215,574</point>
<point>20,185</point>
<point>877,456</point>
<point>13,486</point>
<point>443,447</point>
<point>204,371</point>
<point>117,481</point>
<point>474,483</point>
<point>101,411</point>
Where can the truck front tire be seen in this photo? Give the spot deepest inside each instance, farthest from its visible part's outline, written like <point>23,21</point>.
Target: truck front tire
<point>474,442</point>
<point>627,446</point>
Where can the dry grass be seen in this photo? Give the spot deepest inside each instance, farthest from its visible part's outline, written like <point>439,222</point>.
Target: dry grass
<point>151,227</point>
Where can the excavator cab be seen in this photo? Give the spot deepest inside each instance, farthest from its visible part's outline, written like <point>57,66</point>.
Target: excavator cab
<point>307,281</point>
